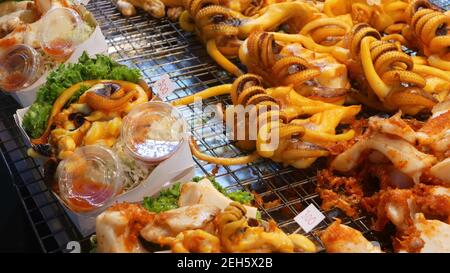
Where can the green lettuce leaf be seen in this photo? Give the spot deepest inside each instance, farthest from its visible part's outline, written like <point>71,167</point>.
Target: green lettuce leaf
<point>101,67</point>
<point>168,198</point>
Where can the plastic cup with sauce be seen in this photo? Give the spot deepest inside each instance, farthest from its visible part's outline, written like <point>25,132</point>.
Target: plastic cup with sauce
<point>89,178</point>
<point>20,67</point>
<point>60,32</point>
<point>153,131</point>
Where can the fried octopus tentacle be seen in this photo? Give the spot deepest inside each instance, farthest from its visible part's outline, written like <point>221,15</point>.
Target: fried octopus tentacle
<point>114,96</point>
<point>271,125</point>
<point>222,160</point>
<point>226,64</point>
<point>389,72</point>
<point>430,29</point>
<point>327,31</point>
<point>287,65</point>
<point>237,236</point>
<point>221,28</point>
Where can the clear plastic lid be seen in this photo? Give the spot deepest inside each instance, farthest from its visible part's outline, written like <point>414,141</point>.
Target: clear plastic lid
<point>20,67</point>
<point>153,131</point>
<point>89,178</point>
<point>60,31</point>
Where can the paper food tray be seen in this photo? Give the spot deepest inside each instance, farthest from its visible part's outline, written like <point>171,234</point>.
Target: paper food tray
<point>95,44</point>
<point>179,167</point>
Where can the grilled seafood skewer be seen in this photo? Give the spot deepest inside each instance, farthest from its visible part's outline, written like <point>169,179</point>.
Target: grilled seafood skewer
<point>301,140</point>
<point>314,75</point>
<point>95,118</point>
<point>119,228</point>
<point>430,32</point>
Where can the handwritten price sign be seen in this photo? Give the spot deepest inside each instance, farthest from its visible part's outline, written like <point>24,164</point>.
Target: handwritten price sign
<point>309,218</point>
<point>164,86</point>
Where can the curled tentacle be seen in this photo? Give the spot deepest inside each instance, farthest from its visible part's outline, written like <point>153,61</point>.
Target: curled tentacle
<point>431,32</point>
<point>268,120</point>
<point>262,49</point>
<point>388,72</point>
<point>194,6</point>
<point>359,32</point>
<point>327,31</point>
<point>281,66</point>
<point>246,81</point>
<point>380,15</point>
<point>237,236</point>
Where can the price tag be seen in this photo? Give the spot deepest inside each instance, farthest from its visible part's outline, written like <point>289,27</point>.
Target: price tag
<point>309,218</point>
<point>164,86</point>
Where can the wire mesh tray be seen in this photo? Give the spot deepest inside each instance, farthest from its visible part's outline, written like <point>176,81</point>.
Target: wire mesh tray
<point>159,47</point>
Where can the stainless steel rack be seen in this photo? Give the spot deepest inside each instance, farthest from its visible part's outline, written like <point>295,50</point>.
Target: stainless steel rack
<point>159,47</point>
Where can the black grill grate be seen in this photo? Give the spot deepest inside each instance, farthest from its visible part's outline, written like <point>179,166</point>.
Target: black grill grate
<point>159,47</point>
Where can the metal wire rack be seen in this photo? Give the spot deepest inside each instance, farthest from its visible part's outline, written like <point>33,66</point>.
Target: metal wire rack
<point>159,47</point>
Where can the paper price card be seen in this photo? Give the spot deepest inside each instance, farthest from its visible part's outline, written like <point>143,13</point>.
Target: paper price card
<point>164,86</point>
<point>309,218</point>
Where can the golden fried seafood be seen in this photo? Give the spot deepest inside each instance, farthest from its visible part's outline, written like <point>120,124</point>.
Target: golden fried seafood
<point>171,223</point>
<point>212,20</point>
<point>193,241</point>
<point>319,42</point>
<point>344,193</point>
<point>315,75</point>
<point>339,238</point>
<point>13,14</point>
<point>196,228</point>
<point>400,205</point>
<point>435,133</point>
<point>237,236</point>
<point>300,140</point>
<point>384,71</point>
<point>397,142</point>
<point>303,55</point>
<point>155,8</point>
<point>423,235</point>
<point>116,96</point>
<point>380,14</point>
<point>437,80</point>
<point>222,29</point>
<point>409,210</point>
<point>404,156</point>
<point>418,153</point>
<point>96,118</point>
<point>204,192</point>
<point>430,32</point>
<point>246,7</point>
<point>118,228</point>
<point>426,236</point>
<point>328,31</point>
<point>234,235</point>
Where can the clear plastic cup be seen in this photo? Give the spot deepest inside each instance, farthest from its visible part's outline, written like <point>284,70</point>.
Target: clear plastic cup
<point>153,131</point>
<point>20,67</point>
<point>60,32</point>
<point>89,178</point>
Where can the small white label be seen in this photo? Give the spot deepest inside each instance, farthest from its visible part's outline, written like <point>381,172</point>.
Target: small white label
<point>309,218</point>
<point>164,86</point>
